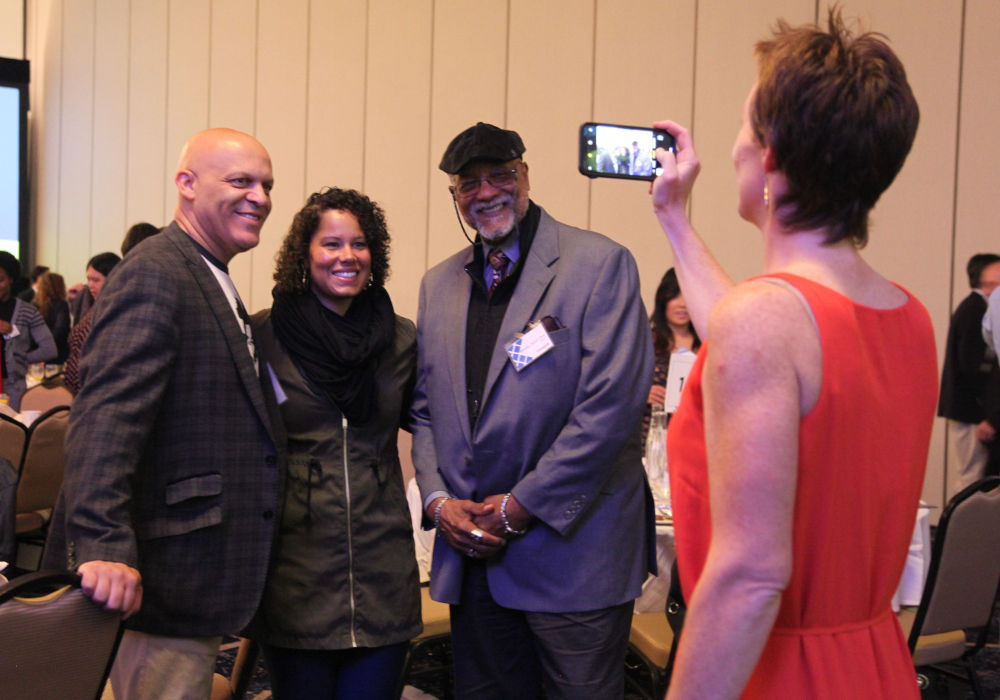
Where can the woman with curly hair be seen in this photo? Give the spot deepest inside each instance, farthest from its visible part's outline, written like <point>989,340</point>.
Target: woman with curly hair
<point>342,599</point>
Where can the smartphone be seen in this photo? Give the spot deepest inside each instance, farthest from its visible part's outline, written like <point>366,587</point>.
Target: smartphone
<point>613,150</point>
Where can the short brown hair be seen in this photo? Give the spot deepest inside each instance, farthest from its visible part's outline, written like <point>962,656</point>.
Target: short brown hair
<point>291,273</point>
<point>839,116</point>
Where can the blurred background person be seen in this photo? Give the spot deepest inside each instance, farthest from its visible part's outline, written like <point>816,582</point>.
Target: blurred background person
<point>98,269</point>
<point>24,337</point>
<point>970,379</point>
<point>50,298</point>
<point>342,598</point>
<point>36,272</point>
<point>136,234</point>
<point>798,452</point>
<point>672,331</point>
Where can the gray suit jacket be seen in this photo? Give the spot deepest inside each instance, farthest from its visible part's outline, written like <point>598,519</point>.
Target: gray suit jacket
<point>173,463</point>
<point>562,434</point>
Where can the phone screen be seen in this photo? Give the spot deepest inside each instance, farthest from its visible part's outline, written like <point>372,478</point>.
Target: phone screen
<point>613,150</point>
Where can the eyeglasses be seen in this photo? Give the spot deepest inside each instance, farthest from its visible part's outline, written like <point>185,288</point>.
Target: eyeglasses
<point>500,179</point>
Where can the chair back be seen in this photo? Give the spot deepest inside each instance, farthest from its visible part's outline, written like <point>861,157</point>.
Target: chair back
<point>49,394</point>
<point>56,642</point>
<point>964,575</point>
<point>13,436</point>
<point>44,461</point>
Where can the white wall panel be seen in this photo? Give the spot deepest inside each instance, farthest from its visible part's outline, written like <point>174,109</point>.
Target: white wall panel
<point>468,85</point>
<point>396,134</point>
<point>338,42</point>
<point>76,153</point>
<point>281,127</point>
<point>147,108</point>
<point>46,113</point>
<point>12,29</point>
<point>549,89</point>
<point>637,87</point>
<point>110,129</point>
<point>188,55</point>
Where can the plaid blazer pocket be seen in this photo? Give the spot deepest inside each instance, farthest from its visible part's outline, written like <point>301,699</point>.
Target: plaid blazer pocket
<point>189,504</point>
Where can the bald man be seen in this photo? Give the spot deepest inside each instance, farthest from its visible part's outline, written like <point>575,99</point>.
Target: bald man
<point>174,446</point>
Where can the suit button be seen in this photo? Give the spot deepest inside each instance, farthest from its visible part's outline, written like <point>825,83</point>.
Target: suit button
<point>468,461</point>
<point>268,514</point>
<point>270,460</point>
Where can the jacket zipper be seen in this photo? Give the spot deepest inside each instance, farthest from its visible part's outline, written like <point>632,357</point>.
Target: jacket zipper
<point>350,545</point>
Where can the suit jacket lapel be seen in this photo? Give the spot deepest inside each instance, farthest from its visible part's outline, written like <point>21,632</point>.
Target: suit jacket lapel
<point>218,305</point>
<point>535,278</point>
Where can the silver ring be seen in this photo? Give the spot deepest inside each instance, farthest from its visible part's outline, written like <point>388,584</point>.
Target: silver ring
<point>471,552</point>
<point>477,535</point>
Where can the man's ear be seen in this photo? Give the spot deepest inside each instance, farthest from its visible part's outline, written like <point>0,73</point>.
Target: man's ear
<point>184,179</point>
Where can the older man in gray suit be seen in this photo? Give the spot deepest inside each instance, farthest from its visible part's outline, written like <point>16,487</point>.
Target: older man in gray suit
<point>171,483</point>
<point>534,364</point>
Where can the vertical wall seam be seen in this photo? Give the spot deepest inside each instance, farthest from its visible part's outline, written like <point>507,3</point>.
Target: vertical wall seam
<point>93,118</point>
<point>506,73</point>
<point>62,110</point>
<point>364,98</point>
<point>166,114</point>
<point>593,104</point>
<point>305,124</point>
<point>954,218</point>
<point>430,131</point>
<point>128,107</point>
<point>694,97</point>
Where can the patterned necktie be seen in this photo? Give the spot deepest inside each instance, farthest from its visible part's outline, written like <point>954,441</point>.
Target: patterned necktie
<point>499,262</point>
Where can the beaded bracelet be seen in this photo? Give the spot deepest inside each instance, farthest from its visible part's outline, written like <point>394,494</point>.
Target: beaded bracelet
<point>503,517</point>
<point>437,512</point>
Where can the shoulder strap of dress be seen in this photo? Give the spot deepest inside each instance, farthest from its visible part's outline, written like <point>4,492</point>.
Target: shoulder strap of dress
<point>781,282</point>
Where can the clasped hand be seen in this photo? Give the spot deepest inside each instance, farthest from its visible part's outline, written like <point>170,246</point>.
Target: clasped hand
<point>476,529</point>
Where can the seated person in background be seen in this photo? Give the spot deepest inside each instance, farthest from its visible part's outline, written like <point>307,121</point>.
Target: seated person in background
<point>98,268</point>
<point>21,327</point>
<point>136,234</point>
<point>672,330</point>
<point>50,298</point>
<point>29,294</point>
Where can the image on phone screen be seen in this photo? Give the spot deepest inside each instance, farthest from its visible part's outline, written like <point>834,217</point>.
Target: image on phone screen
<point>614,150</point>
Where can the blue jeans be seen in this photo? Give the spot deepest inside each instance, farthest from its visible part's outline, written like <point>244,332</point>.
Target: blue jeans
<point>341,674</point>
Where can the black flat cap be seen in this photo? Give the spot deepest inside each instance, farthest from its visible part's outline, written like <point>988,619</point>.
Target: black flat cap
<point>481,142</point>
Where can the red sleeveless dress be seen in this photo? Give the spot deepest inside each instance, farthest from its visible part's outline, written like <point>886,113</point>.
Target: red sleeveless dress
<point>862,456</point>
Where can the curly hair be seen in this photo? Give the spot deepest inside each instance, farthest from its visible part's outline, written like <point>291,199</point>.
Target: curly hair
<point>291,272</point>
<point>840,117</point>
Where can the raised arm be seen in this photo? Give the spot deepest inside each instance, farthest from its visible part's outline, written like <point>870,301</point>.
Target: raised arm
<point>703,281</point>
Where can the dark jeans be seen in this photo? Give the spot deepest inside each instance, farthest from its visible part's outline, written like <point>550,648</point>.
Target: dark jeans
<point>342,674</point>
<point>503,653</point>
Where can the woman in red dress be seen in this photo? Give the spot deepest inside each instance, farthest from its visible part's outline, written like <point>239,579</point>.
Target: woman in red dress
<point>798,452</point>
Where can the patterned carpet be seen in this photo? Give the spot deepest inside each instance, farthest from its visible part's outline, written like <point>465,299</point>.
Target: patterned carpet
<point>430,676</point>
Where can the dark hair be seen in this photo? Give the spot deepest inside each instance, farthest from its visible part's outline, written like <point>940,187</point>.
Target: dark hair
<point>136,234</point>
<point>10,265</point>
<point>977,263</point>
<point>51,288</point>
<point>839,116</point>
<point>37,271</point>
<point>663,336</point>
<point>291,272</point>
<point>104,262</point>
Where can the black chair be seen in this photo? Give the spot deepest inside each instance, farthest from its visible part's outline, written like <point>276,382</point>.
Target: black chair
<point>56,642</point>
<point>962,584</point>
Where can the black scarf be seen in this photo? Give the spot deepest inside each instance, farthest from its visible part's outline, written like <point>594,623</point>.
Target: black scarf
<point>337,354</point>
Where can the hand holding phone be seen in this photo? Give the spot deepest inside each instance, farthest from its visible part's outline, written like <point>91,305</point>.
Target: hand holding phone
<point>625,152</point>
